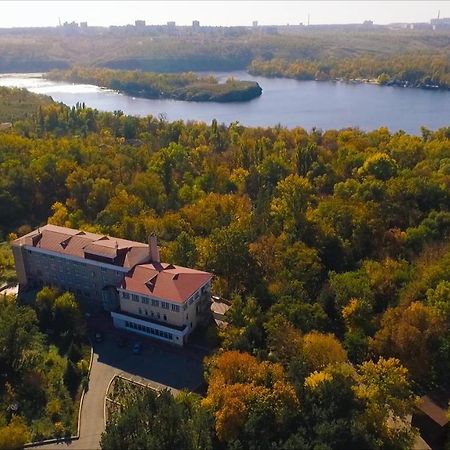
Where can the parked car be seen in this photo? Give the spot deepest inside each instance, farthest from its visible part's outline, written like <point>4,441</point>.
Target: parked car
<point>98,336</point>
<point>121,341</point>
<point>137,347</point>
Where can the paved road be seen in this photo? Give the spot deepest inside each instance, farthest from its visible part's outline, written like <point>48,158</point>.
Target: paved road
<point>158,365</point>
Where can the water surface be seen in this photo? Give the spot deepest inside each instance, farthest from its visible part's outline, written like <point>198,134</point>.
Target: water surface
<point>287,102</point>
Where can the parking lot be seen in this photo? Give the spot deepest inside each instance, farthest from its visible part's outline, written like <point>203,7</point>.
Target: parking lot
<point>157,364</point>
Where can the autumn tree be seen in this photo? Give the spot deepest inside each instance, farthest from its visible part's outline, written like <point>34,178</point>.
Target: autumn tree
<point>250,400</point>
<point>385,391</point>
<point>410,334</point>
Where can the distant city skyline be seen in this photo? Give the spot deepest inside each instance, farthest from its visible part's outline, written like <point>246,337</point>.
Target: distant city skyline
<point>218,13</point>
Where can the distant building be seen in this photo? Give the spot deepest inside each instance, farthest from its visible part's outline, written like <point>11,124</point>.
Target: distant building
<point>421,26</point>
<point>438,24</point>
<point>139,23</point>
<point>195,24</point>
<point>126,278</point>
<point>171,24</point>
<point>255,23</point>
<point>83,25</point>
<point>70,25</point>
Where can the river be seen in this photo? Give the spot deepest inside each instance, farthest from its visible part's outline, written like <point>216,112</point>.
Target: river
<point>287,102</point>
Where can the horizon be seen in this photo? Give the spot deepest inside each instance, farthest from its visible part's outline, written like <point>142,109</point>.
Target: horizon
<point>226,14</point>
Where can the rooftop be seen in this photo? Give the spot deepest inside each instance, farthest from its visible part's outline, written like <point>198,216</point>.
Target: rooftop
<point>165,281</point>
<point>434,411</point>
<point>83,244</point>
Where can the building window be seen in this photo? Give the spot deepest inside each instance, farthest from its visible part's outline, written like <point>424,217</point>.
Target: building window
<point>155,302</point>
<point>197,295</point>
<point>103,269</point>
<point>176,308</point>
<point>184,306</point>
<point>191,300</point>
<point>144,300</point>
<point>165,317</point>
<point>146,312</point>
<point>164,305</point>
<point>135,297</point>
<point>125,295</point>
<point>140,311</point>
<point>158,316</point>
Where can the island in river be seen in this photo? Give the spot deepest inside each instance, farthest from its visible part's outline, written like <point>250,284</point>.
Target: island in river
<point>177,86</point>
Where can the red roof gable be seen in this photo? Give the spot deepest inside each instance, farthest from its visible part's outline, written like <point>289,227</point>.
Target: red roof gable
<point>165,281</point>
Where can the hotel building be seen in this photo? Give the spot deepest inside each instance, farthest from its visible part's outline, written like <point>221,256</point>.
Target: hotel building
<point>124,277</point>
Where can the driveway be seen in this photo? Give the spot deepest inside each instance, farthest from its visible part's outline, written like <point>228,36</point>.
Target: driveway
<point>158,365</point>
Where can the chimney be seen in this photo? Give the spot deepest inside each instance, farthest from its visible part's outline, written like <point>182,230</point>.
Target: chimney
<point>153,248</point>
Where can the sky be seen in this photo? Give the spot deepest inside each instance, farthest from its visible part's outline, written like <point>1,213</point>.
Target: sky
<point>219,13</point>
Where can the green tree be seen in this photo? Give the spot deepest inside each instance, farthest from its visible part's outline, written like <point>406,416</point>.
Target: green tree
<point>20,339</point>
<point>158,421</point>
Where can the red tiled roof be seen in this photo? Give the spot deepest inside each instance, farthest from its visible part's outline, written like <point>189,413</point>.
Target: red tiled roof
<point>165,281</point>
<point>68,241</point>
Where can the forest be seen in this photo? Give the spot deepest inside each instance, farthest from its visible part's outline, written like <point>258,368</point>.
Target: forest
<point>331,245</point>
<point>177,86</point>
<point>430,71</point>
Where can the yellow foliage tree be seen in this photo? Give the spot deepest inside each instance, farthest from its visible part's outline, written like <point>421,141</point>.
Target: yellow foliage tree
<point>385,391</point>
<point>320,350</point>
<point>238,383</point>
<point>14,435</point>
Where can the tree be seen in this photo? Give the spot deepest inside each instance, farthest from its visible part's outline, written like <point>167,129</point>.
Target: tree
<point>155,420</point>
<point>227,255</point>
<point>20,340</point>
<point>289,205</point>
<point>410,334</point>
<point>351,285</point>
<point>67,314</point>
<point>439,300</point>
<point>45,300</point>
<point>283,340</point>
<point>184,252</point>
<point>250,400</point>
<point>330,409</point>
<point>245,330</point>
<point>385,391</point>
<point>14,435</point>
<point>319,350</point>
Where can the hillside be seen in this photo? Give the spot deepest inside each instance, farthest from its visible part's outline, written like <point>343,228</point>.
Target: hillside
<point>18,104</point>
<point>212,49</point>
